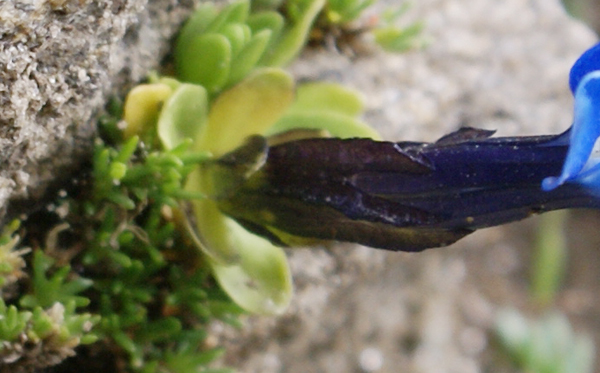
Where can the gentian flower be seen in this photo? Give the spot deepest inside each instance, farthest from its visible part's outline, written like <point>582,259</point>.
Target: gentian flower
<point>411,196</point>
<point>300,188</point>
<point>405,196</point>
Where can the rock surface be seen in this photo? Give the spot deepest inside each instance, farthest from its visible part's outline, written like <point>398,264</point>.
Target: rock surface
<point>493,65</point>
<point>60,60</point>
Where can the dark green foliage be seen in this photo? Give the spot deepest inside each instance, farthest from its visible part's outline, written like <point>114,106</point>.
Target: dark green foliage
<point>139,282</point>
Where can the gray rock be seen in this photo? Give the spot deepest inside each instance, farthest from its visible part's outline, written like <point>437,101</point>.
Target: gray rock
<point>60,60</point>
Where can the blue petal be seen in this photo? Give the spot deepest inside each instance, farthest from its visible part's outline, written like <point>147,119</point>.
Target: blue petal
<point>588,62</point>
<point>584,133</point>
<point>591,180</point>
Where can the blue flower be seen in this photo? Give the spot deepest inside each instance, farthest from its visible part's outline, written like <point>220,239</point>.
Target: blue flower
<point>405,196</point>
<point>582,163</point>
<point>410,196</point>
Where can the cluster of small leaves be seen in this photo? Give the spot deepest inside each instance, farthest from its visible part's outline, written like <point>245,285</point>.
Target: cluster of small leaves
<point>341,19</point>
<point>546,345</point>
<point>47,317</point>
<point>128,182</point>
<point>152,290</point>
<point>11,259</point>
<point>56,330</point>
<point>139,283</point>
<point>226,67</point>
<point>398,39</point>
<point>218,48</point>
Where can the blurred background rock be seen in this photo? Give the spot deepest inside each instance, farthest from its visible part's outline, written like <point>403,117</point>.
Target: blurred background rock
<point>586,10</point>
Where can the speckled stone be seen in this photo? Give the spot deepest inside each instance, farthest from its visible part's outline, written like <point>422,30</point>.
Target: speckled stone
<point>59,62</point>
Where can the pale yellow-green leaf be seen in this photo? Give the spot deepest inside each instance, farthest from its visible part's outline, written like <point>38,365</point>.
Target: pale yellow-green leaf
<point>248,108</point>
<point>261,281</point>
<point>328,96</point>
<point>183,115</point>
<point>338,125</point>
<point>171,82</point>
<point>142,107</point>
<point>212,234</point>
<point>253,272</point>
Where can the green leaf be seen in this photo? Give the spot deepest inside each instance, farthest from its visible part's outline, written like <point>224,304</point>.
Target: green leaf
<point>127,150</point>
<point>195,26</point>
<point>189,359</point>
<point>142,107</point>
<point>550,260</point>
<point>328,96</point>
<point>171,82</point>
<point>56,288</point>
<point>257,5</point>
<point>252,271</point>
<point>249,56</point>
<point>267,20</point>
<point>12,322</point>
<point>117,170</point>
<point>344,11</point>
<point>160,329</point>
<point>236,12</point>
<point>260,281</point>
<point>395,39</point>
<point>294,37</point>
<point>205,61</point>
<point>41,324</point>
<point>338,125</point>
<point>241,111</point>
<point>238,35</point>
<point>121,200</point>
<point>183,115</point>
